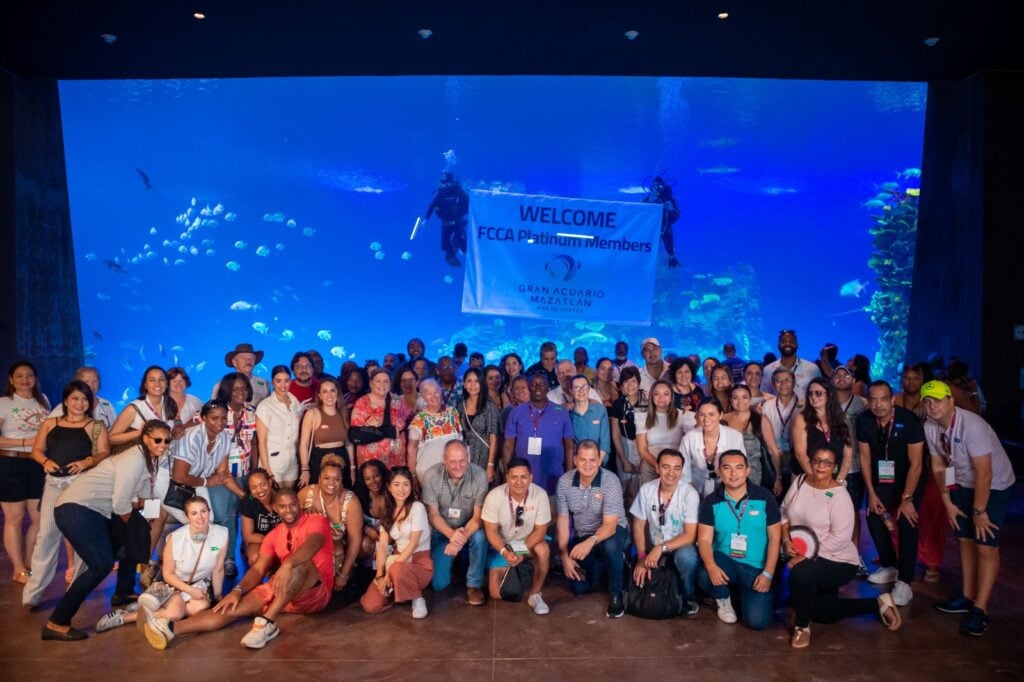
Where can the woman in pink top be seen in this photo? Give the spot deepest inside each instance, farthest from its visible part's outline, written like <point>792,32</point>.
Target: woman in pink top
<point>816,501</point>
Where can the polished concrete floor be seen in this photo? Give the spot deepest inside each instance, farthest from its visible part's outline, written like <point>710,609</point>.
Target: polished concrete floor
<point>508,642</point>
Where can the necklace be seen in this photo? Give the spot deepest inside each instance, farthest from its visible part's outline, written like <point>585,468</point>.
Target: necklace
<point>73,423</point>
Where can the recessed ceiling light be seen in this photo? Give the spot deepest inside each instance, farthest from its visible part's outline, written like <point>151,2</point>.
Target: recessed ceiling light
<point>931,42</point>
<point>723,15</point>
<point>199,15</point>
<point>108,38</point>
<point>631,35</point>
<point>425,33</point>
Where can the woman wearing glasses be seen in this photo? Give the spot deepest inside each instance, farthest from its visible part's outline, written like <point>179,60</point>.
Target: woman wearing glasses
<point>404,566</point>
<point>821,424</point>
<point>108,493</point>
<point>824,558</point>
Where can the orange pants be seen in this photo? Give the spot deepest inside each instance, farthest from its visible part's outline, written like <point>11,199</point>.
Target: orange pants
<point>407,577</point>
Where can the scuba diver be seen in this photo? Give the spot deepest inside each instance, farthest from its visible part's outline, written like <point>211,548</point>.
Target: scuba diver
<point>661,193</point>
<point>452,206</point>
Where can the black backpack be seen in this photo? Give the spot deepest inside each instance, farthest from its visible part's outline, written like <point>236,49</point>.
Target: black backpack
<point>659,598</point>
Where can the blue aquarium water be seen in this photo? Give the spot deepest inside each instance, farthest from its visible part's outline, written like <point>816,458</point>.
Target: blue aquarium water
<point>278,212</point>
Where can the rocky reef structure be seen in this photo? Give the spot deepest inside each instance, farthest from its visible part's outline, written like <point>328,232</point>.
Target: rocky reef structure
<point>893,237</point>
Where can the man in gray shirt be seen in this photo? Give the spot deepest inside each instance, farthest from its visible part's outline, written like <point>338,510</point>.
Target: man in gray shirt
<point>454,492</point>
<point>590,499</point>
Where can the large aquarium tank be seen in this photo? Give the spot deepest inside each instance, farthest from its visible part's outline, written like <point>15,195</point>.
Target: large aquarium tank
<point>280,212</point>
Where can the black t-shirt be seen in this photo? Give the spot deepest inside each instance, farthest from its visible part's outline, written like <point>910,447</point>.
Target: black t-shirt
<point>905,430</point>
<point>538,367</point>
<point>624,412</point>
<point>263,520</point>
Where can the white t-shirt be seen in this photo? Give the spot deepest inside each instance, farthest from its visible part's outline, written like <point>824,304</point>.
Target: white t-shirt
<point>500,508</point>
<point>804,370</point>
<point>695,470</point>
<point>660,436</point>
<point>192,407</point>
<point>143,412</point>
<point>647,380</point>
<point>402,531</point>
<point>22,418</point>
<point>681,509</point>
<point>781,419</point>
<point>186,551</point>
<point>970,436</point>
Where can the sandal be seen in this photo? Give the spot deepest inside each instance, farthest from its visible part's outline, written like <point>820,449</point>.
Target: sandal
<point>888,612</point>
<point>21,577</point>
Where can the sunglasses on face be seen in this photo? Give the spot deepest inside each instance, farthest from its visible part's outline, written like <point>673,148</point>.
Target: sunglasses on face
<point>519,516</point>
<point>161,441</point>
<point>817,394</point>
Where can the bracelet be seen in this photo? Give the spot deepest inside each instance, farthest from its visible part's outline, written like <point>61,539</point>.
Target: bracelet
<point>641,555</point>
<point>490,465</point>
<point>305,468</point>
<point>237,588</point>
<point>768,575</point>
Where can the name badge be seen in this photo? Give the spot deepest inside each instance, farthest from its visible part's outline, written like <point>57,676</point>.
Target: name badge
<point>886,471</point>
<point>738,546</point>
<point>709,486</point>
<point>519,547</point>
<point>454,513</point>
<point>533,445</point>
<point>151,508</point>
<point>950,477</point>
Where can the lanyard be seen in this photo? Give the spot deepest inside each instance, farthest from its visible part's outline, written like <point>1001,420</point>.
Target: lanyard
<point>714,453</point>
<point>888,436</point>
<point>947,439</point>
<point>448,483</point>
<point>849,402</point>
<point>742,511</point>
<point>778,410</point>
<point>512,512</point>
<point>535,421</point>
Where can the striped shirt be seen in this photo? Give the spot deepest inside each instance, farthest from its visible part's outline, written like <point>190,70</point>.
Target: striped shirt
<point>589,506</point>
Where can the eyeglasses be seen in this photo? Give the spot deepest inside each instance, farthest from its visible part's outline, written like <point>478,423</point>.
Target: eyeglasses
<point>161,441</point>
<point>817,394</point>
<point>819,462</point>
<point>519,516</point>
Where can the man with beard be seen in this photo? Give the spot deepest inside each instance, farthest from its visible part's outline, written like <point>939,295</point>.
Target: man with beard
<point>803,370</point>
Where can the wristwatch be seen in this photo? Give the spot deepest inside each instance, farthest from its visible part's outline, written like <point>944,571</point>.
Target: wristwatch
<point>664,548</point>
<point>979,512</point>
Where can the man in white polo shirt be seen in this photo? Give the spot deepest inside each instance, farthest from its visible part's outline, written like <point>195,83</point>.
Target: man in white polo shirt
<point>803,370</point>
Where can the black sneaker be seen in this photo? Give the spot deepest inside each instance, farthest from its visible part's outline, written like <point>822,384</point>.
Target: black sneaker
<point>958,604</point>
<point>615,606</point>
<point>123,599</point>
<point>975,623</point>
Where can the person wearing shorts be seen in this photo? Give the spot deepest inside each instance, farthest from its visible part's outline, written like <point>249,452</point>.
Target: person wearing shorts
<point>974,476</point>
<point>300,549</point>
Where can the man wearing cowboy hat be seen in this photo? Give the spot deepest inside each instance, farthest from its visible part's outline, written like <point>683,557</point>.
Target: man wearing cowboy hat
<point>242,359</point>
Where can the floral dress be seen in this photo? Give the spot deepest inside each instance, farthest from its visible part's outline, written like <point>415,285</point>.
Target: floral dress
<point>391,451</point>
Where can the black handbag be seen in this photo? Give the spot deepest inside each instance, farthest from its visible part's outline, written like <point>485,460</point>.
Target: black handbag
<point>768,472</point>
<point>516,581</point>
<point>367,435</point>
<point>178,494</point>
<point>659,598</point>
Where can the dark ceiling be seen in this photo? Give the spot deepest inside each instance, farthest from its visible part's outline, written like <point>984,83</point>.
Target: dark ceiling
<point>833,39</point>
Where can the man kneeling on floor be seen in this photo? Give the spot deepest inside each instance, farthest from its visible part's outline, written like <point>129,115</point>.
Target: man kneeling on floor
<point>301,550</point>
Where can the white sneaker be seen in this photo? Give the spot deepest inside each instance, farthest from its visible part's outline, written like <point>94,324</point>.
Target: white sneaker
<point>262,632</point>
<point>419,608</point>
<point>726,613</point>
<point>155,596</point>
<point>109,621</point>
<point>901,593</point>
<point>883,576</point>
<point>157,630</point>
<point>539,607</point>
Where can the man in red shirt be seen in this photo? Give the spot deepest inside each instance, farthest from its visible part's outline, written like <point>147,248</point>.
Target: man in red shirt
<point>305,384</point>
<point>300,547</point>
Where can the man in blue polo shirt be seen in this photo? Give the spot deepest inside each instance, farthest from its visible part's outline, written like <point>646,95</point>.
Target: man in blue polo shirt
<point>589,499</point>
<point>738,533</point>
<point>541,433</point>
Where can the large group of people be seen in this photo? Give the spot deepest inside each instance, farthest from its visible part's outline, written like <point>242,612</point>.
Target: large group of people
<point>730,479</point>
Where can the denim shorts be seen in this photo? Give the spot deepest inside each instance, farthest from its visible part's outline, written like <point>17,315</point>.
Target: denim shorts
<point>998,500</point>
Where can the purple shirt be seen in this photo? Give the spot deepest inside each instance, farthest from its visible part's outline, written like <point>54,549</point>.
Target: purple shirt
<point>551,425</point>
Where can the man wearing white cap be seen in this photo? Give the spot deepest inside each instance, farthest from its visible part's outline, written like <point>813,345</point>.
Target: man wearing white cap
<point>654,367</point>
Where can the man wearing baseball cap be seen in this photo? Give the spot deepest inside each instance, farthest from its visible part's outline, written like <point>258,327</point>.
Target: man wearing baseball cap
<point>243,359</point>
<point>654,367</point>
<point>974,476</point>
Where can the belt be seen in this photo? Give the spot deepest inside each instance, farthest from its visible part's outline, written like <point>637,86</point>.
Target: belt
<point>15,453</point>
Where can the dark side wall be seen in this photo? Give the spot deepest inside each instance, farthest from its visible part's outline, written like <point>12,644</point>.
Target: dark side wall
<point>968,293</point>
<point>39,318</point>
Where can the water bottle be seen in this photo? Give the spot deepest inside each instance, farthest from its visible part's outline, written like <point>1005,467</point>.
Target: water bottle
<point>889,521</point>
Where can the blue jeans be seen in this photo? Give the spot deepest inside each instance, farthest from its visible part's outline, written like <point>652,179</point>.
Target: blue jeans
<point>687,560</point>
<point>89,533</point>
<point>607,557</point>
<point>225,512</point>
<point>758,607</point>
<point>477,552</point>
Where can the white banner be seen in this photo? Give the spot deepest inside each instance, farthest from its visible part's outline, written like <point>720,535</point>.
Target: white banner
<point>560,258</point>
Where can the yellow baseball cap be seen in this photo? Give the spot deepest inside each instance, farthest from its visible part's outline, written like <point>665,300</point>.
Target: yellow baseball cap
<point>936,389</point>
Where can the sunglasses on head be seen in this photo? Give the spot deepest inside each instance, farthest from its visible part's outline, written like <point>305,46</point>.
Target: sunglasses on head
<point>519,516</point>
